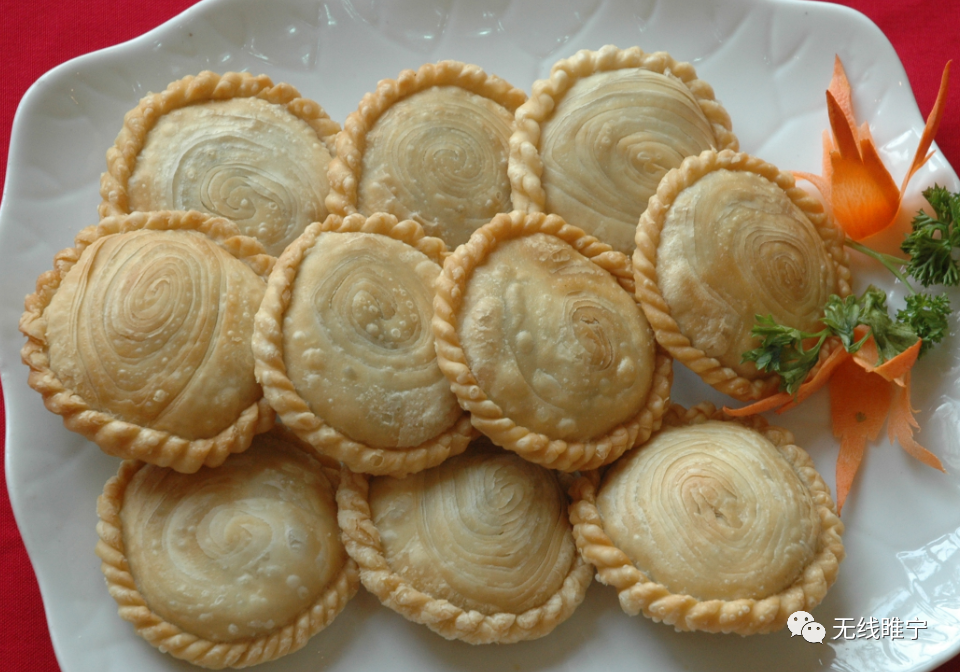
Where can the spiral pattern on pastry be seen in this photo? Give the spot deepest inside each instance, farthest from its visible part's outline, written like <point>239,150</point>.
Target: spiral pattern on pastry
<point>610,140</point>
<point>485,530</point>
<point>439,157</point>
<point>711,510</point>
<point>245,159</point>
<point>154,327</point>
<point>357,340</point>
<point>236,552</point>
<point>735,246</point>
<point>554,340</point>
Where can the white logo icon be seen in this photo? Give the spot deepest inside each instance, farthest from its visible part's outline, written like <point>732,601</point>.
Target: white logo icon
<point>797,620</point>
<point>814,632</point>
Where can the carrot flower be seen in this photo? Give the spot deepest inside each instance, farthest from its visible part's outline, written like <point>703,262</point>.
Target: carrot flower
<point>856,186</point>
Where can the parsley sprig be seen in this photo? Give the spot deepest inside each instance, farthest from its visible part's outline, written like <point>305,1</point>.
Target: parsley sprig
<point>785,350</point>
<point>928,315</point>
<point>933,246</point>
<point>933,241</point>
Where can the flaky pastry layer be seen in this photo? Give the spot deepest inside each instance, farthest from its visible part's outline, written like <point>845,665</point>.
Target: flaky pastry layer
<point>230,532</point>
<point>110,427</point>
<point>596,158</point>
<point>638,592</point>
<point>649,238</point>
<point>283,340</point>
<point>430,146</point>
<point>590,344</point>
<point>459,557</point>
<point>233,145</point>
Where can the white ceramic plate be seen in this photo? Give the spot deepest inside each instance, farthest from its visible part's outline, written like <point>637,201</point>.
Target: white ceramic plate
<point>769,62</point>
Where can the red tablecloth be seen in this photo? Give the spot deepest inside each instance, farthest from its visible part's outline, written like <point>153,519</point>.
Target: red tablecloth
<point>36,36</point>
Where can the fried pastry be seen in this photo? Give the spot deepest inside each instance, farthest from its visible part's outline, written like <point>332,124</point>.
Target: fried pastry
<point>227,567</point>
<point>477,549</point>
<point>430,146</point>
<point>140,338</point>
<point>726,238</point>
<point>235,145</point>
<point>542,340</point>
<point>714,524</point>
<point>594,139</point>
<point>344,349</point>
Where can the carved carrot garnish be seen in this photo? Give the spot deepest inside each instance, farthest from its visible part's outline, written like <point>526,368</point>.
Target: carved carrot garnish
<point>863,396</point>
<point>860,192</point>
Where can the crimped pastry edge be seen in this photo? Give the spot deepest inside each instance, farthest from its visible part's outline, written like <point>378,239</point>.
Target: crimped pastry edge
<point>115,436</point>
<point>279,390</point>
<point>343,174</point>
<point>525,165</point>
<point>362,541</point>
<point>486,415</point>
<point>655,307</point>
<point>637,593</point>
<point>169,638</point>
<point>204,87</point>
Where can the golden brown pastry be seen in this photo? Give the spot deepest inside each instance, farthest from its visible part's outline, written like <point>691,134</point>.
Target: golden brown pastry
<point>477,549</point>
<point>594,139</point>
<point>542,341</point>
<point>728,237</point>
<point>235,145</point>
<point>344,348</point>
<point>431,146</point>
<point>140,338</point>
<point>713,525</point>
<point>227,567</point>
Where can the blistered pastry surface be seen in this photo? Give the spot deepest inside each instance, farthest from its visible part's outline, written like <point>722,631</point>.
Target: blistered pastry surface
<point>486,531</point>
<point>154,328</point>
<point>487,415</point>
<point>734,246</point>
<point>354,311</point>
<point>245,159</point>
<point>610,140</point>
<point>711,510</point>
<point>554,340</point>
<point>439,157</point>
<point>236,552</point>
<point>357,340</point>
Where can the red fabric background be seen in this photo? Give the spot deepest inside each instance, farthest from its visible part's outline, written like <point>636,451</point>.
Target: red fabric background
<point>36,36</point>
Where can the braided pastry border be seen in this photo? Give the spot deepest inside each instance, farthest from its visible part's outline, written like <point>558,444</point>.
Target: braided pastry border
<point>115,436</point>
<point>655,307</point>
<point>281,393</point>
<point>192,90</point>
<point>169,638</point>
<point>637,593</point>
<point>362,541</point>
<point>486,415</point>
<point>344,172</point>
<point>526,166</point>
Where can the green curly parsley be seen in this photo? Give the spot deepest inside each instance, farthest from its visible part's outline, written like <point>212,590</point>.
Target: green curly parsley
<point>932,243</point>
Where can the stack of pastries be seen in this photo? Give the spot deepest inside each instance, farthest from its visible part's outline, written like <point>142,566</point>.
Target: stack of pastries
<point>432,352</point>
